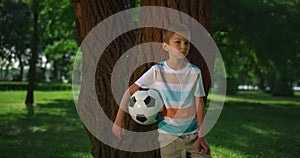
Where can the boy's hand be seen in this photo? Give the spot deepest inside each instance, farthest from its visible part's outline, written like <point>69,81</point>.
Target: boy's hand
<point>118,129</point>
<point>202,145</point>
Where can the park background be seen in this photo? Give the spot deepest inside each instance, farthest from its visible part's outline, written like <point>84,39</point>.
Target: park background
<point>259,43</point>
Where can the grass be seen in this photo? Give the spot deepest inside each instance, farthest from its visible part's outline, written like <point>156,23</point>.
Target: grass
<point>252,124</point>
<point>255,124</point>
<point>54,131</point>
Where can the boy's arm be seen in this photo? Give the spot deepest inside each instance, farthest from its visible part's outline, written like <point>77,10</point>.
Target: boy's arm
<point>118,126</point>
<point>200,113</point>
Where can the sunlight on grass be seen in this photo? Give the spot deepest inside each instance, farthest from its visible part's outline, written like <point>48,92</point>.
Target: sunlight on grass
<point>35,129</point>
<point>224,152</point>
<point>81,155</point>
<point>12,102</point>
<point>260,131</point>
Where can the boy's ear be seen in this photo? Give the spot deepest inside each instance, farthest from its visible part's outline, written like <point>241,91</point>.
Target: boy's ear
<point>165,46</point>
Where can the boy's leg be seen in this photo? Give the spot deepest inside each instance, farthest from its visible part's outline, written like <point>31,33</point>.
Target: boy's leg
<point>171,146</point>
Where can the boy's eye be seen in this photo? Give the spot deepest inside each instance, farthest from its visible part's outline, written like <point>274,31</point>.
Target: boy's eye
<point>177,42</point>
<point>187,43</point>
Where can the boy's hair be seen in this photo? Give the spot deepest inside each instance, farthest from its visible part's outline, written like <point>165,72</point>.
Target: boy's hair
<point>176,28</point>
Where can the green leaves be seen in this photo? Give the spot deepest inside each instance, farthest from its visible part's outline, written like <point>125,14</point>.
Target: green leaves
<point>254,34</point>
<point>57,19</point>
<point>57,33</point>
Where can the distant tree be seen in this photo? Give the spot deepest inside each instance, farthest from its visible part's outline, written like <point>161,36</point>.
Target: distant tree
<point>31,27</point>
<point>59,37</point>
<point>34,6</point>
<point>15,33</point>
<point>259,39</point>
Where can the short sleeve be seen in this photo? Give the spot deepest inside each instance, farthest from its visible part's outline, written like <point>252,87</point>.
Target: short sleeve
<point>147,79</point>
<point>199,90</point>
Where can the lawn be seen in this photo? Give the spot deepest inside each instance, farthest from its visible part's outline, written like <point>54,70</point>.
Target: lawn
<point>255,124</point>
<point>54,131</point>
<point>252,124</point>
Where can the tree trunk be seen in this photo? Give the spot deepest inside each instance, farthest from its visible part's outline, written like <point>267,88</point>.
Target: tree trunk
<point>91,12</point>
<point>281,84</point>
<point>19,56</point>
<point>55,76</point>
<point>32,69</point>
<point>88,14</point>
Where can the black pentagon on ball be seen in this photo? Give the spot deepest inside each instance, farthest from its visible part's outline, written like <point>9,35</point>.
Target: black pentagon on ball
<point>141,118</point>
<point>149,101</point>
<point>132,102</point>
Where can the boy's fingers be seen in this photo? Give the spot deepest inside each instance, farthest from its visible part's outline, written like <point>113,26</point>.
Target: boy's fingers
<point>116,131</point>
<point>123,131</point>
<point>120,134</point>
<point>206,150</point>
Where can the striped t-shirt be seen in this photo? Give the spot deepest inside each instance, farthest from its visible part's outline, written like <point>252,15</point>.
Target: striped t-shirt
<point>178,89</point>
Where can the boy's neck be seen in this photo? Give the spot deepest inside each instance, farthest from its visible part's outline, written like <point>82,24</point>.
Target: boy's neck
<point>176,64</point>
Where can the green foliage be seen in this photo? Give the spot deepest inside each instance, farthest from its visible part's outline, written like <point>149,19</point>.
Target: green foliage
<point>53,86</point>
<point>39,86</point>
<point>232,86</point>
<point>62,55</point>
<point>15,32</point>
<point>133,3</point>
<point>58,23</point>
<point>13,85</point>
<point>57,34</point>
<point>253,36</point>
<point>256,38</point>
<point>57,19</point>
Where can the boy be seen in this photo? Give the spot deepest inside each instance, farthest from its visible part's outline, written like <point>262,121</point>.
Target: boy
<point>181,88</point>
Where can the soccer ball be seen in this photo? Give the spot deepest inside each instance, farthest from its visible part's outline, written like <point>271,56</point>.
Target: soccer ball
<point>144,106</point>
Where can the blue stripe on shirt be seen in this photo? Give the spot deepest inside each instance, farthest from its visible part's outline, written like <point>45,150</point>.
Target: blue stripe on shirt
<point>178,130</point>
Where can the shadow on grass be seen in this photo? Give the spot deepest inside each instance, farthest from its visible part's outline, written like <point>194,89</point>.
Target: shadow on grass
<point>258,129</point>
<point>54,131</point>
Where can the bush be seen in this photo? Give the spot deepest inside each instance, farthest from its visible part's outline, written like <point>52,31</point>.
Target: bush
<point>39,86</point>
<point>13,86</point>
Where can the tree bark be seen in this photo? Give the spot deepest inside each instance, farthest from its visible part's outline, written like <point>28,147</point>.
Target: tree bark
<point>88,14</point>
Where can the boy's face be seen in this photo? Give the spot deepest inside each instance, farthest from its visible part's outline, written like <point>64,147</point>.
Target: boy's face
<point>177,47</point>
